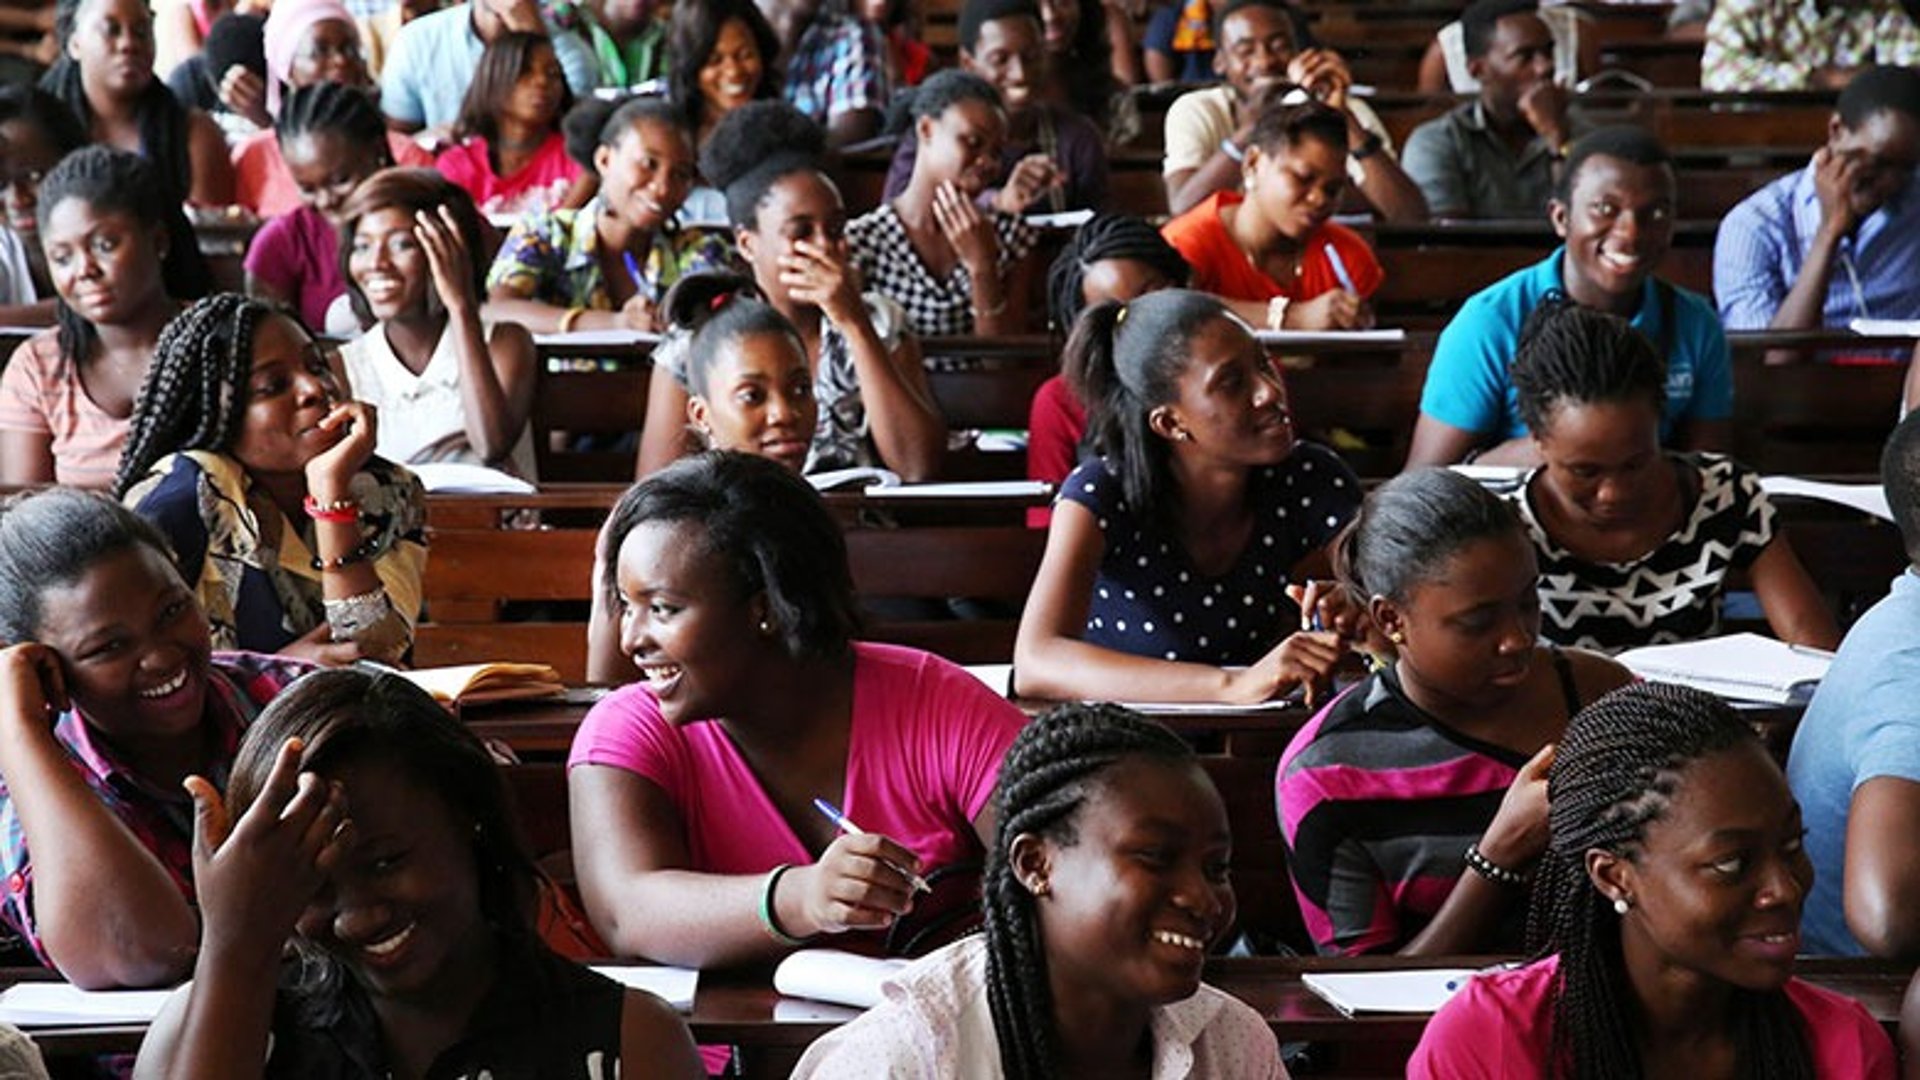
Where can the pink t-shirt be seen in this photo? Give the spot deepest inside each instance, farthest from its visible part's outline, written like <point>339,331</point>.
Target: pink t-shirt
<point>538,186</point>
<point>298,254</point>
<point>1501,1024</point>
<point>922,757</point>
<point>261,182</point>
<point>42,394</point>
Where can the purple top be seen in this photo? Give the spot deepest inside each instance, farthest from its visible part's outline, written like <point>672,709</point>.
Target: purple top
<point>298,255</point>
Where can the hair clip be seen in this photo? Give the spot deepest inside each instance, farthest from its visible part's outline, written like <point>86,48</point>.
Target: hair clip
<point>720,300</point>
<point>1122,317</point>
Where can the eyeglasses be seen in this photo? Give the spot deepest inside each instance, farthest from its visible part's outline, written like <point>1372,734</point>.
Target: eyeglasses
<point>320,52</point>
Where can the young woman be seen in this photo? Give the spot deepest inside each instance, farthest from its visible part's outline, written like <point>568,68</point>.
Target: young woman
<point>36,131</point>
<point>509,153</point>
<point>1090,56</point>
<point>1106,884</point>
<point>1444,750</point>
<point>1635,542</point>
<point>446,387</point>
<point>105,75</point>
<point>1111,257</point>
<point>1169,555</point>
<point>695,834</point>
<point>109,697</point>
<point>1667,914</point>
<point>296,538</point>
<point>67,393</point>
<point>727,49</point>
<point>332,137</point>
<point>790,229</point>
<point>308,43</point>
<point>1053,159</point>
<point>607,264</point>
<point>368,825</point>
<point>1274,253</point>
<point>749,389</point>
<point>955,268</point>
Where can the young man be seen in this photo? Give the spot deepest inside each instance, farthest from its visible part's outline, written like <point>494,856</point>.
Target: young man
<point>1494,156</point>
<point>1207,129</point>
<point>426,76</point>
<point>1839,239</point>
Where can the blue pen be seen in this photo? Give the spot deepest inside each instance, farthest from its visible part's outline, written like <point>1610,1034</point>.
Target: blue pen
<point>845,824</point>
<point>1340,270</point>
<point>640,280</point>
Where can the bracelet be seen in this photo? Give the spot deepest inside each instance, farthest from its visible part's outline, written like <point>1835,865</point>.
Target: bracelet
<point>1277,312</point>
<point>768,921</point>
<point>1368,147</point>
<point>350,616</point>
<point>572,316</point>
<point>994,311</point>
<point>367,549</point>
<point>1493,871</point>
<point>1233,151</point>
<point>343,510</point>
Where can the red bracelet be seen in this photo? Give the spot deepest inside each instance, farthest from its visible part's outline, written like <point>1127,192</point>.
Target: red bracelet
<point>346,510</point>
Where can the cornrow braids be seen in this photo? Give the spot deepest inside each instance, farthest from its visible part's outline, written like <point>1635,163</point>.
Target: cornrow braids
<point>1048,773</point>
<point>1615,773</point>
<point>104,179</point>
<point>1107,236</point>
<point>1574,355</point>
<point>195,394</point>
<point>327,106</point>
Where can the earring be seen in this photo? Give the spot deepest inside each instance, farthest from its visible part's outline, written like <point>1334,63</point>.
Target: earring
<point>766,627</point>
<point>1622,905</point>
<point>1397,637</point>
<point>1040,887</point>
<point>1183,435</point>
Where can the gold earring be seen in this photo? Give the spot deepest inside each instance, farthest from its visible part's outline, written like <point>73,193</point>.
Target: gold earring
<point>1397,637</point>
<point>1040,887</point>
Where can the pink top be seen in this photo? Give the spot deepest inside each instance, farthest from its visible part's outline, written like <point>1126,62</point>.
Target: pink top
<point>922,757</point>
<point>298,254</point>
<point>1501,1024</point>
<point>261,182</point>
<point>42,394</point>
<point>539,185</point>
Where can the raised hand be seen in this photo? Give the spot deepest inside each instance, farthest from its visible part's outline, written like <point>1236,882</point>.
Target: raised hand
<point>1030,180</point>
<point>966,228</point>
<point>330,472</point>
<point>821,275</point>
<point>31,686</point>
<point>447,259</point>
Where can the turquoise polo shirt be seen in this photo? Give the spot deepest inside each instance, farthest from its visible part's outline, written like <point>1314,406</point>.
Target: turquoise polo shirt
<point>1469,388</point>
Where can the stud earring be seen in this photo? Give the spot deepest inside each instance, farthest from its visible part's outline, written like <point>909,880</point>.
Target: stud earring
<point>1040,888</point>
<point>1621,905</point>
<point>1397,637</point>
<point>766,627</point>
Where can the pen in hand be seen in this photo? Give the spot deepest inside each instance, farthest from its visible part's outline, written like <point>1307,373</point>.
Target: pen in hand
<point>845,824</point>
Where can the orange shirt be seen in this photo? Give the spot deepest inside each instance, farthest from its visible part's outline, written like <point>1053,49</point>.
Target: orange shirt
<point>1221,268</point>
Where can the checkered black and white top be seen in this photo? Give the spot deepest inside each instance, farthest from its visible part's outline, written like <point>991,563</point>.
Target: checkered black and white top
<point>934,306</point>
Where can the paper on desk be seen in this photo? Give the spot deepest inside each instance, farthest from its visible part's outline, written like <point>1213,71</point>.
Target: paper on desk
<point>1421,990</point>
<point>466,477</point>
<point>1391,336</point>
<point>965,489</point>
<point>1866,498</point>
<point>843,978</point>
<point>674,985</point>
<point>1748,667</point>
<point>1885,327</point>
<point>597,337</point>
<point>1065,219</point>
<point>999,679</point>
<point>51,1004</point>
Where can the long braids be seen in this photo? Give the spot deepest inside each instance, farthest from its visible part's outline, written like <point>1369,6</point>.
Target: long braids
<point>1106,236</point>
<point>1049,771</point>
<point>194,397</point>
<point>1614,774</point>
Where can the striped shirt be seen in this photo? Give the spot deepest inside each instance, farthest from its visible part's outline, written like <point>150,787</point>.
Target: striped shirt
<point>42,394</point>
<point>1378,802</point>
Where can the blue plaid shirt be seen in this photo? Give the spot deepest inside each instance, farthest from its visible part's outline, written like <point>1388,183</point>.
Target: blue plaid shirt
<point>839,65</point>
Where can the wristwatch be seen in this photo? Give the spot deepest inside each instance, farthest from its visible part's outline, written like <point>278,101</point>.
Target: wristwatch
<point>1368,147</point>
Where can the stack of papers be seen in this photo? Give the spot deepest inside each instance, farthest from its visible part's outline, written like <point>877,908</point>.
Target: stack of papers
<point>1746,667</point>
<point>59,1004</point>
<point>459,476</point>
<point>1867,498</point>
<point>674,985</point>
<point>1419,991</point>
<point>843,978</point>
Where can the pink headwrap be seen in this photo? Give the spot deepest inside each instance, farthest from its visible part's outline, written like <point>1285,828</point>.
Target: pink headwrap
<point>287,26</point>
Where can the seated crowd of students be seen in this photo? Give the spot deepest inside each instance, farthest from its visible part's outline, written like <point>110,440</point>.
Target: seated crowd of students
<point>201,779</point>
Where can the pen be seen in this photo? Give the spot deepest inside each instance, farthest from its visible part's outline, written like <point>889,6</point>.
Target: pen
<point>845,824</point>
<point>640,280</point>
<point>1340,270</point>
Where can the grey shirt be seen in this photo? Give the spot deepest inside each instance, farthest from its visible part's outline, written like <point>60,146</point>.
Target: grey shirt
<point>1466,170</point>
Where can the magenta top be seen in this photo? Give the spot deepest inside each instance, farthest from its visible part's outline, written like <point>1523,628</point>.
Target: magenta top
<point>539,185</point>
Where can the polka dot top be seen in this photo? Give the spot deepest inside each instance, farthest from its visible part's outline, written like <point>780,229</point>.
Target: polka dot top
<point>1148,600</point>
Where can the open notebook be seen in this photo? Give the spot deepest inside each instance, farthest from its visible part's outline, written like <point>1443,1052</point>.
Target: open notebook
<point>469,684</point>
<point>1746,667</point>
<point>843,978</point>
<point>1420,990</point>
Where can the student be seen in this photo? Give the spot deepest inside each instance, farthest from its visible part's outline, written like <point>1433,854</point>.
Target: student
<point>308,43</point>
<point>1855,764</point>
<point>955,268</point>
<point>1494,156</point>
<point>109,696</point>
<point>333,139</point>
<point>425,79</point>
<point>1177,44</point>
<point>1093,952</point>
<point>1091,58</point>
<point>1832,242</point>
<point>835,65</point>
<point>371,828</point>
<point>1111,257</point>
<point>105,75</point>
<point>725,51</point>
<point>1667,917</point>
<point>1053,159</point>
<point>629,39</point>
<point>1170,552</point>
<point>1449,741</point>
<point>1275,254</point>
<point>1801,45</point>
<point>1614,208</point>
<point>295,537</point>
<point>67,393</point>
<point>446,387</point>
<point>695,836</point>
<point>1260,56</point>
<point>607,264</point>
<point>790,229</point>
<point>509,153</point>
<point>36,131</point>
<point>909,60</point>
<point>1635,542</point>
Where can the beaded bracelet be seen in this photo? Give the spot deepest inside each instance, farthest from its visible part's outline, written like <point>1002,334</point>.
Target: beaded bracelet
<point>367,549</point>
<point>767,920</point>
<point>344,510</point>
<point>1493,871</point>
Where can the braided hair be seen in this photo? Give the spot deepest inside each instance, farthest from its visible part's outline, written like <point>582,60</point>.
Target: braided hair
<point>1050,770</point>
<point>106,180</point>
<point>755,147</point>
<point>1574,355</point>
<point>163,122</point>
<point>1615,773</point>
<point>347,111</point>
<point>1107,236</point>
<point>195,394</point>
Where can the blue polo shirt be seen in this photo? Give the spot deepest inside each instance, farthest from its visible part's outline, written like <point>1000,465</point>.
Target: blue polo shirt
<point>1468,386</point>
<point>426,76</point>
<point>1762,247</point>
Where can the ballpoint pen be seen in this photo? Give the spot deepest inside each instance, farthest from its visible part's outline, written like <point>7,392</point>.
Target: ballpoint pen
<point>846,825</point>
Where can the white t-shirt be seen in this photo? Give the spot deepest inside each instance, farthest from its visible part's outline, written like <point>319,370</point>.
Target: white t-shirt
<point>421,417</point>
<point>1199,120</point>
